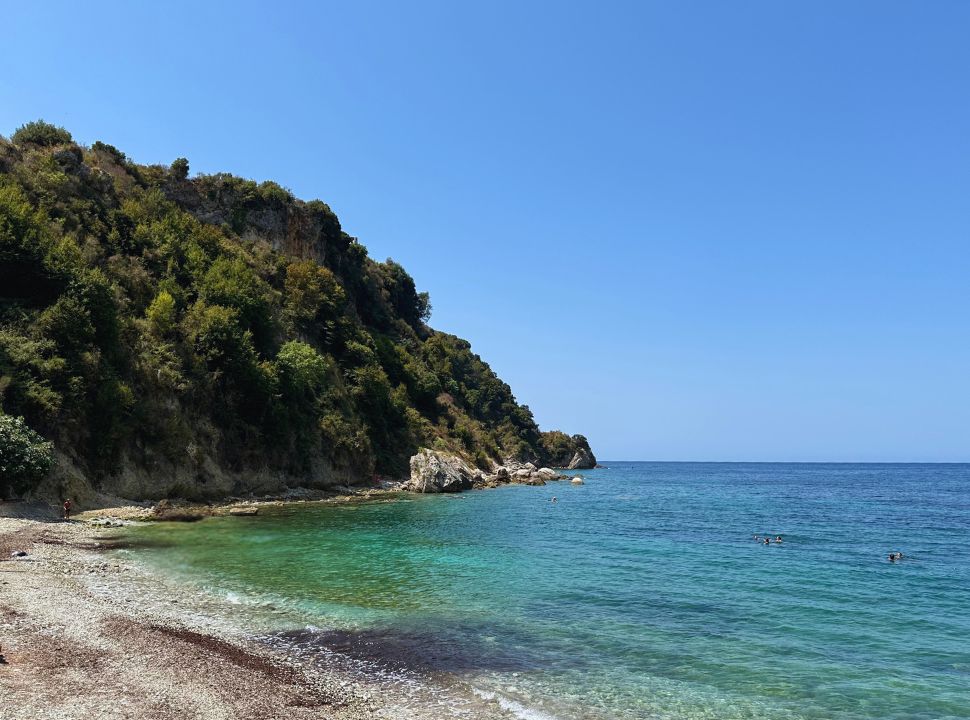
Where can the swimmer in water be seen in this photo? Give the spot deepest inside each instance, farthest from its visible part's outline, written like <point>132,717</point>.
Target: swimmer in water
<point>553,499</point>
<point>777,538</point>
<point>767,541</point>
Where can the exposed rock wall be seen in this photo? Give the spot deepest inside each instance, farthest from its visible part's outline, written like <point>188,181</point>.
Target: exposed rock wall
<point>433,472</point>
<point>583,459</point>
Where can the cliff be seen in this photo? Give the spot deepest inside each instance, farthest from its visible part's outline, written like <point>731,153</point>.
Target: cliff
<point>210,336</point>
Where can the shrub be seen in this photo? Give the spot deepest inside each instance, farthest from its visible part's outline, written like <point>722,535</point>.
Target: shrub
<point>302,370</point>
<point>314,298</point>
<point>218,339</point>
<point>41,133</point>
<point>161,314</point>
<point>25,457</point>
<point>110,150</point>
<point>180,168</point>
<point>274,192</point>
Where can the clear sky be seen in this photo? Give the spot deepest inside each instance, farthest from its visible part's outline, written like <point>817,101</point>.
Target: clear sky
<point>689,230</point>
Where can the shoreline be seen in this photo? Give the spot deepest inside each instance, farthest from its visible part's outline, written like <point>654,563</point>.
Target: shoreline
<point>89,634</point>
<point>114,511</point>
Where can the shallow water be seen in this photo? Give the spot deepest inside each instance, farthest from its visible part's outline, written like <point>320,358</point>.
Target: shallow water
<point>640,594</point>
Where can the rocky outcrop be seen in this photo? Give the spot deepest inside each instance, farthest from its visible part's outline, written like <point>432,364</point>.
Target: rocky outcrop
<point>566,451</point>
<point>583,458</point>
<point>307,230</point>
<point>522,474</point>
<point>434,472</point>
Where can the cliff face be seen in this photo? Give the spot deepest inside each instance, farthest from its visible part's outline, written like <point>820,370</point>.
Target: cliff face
<point>211,336</point>
<point>310,231</point>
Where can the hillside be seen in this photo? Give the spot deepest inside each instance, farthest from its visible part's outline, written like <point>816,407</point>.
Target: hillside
<point>202,336</point>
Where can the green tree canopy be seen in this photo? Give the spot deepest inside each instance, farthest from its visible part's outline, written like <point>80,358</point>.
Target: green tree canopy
<point>25,457</point>
<point>42,133</point>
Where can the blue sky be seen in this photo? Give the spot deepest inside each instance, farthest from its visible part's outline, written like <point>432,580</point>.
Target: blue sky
<point>689,230</point>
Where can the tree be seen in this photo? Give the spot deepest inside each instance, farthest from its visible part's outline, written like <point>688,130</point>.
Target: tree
<point>219,340</point>
<point>180,168</point>
<point>25,457</point>
<point>23,246</point>
<point>41,133</point>
<point>314,298</point>
<point>412,306</point>
<point>233,284</point>
<point>161,314</point>
<point>303,372</point>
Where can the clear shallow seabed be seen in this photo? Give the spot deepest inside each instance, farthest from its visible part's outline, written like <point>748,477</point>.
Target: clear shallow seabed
<point>640,594</point>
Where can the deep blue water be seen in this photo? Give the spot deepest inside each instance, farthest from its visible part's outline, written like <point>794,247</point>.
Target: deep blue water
<point>640,594</point>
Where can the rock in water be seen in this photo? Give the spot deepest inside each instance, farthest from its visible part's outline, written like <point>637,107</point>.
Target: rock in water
<point>577,481</point>
<point>583,459</point>
<point>434,472</point>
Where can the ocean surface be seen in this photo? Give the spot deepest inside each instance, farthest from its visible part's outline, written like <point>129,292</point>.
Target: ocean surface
<point>640,594</point>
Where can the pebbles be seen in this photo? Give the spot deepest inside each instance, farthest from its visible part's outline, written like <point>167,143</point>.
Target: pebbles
<point>158,649</point>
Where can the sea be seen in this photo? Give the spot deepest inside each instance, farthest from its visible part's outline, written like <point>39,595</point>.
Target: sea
<point>642,593</point>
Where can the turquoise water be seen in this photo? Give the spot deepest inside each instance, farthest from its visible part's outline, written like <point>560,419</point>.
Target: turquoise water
<point>640,594</point>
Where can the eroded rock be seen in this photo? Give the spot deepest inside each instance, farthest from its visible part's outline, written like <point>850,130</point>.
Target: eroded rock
<point>435,472</point>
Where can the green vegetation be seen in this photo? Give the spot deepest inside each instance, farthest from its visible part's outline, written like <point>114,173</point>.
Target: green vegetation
<point>41,133</point>
<point>153,318</point>
<point>24,456</point>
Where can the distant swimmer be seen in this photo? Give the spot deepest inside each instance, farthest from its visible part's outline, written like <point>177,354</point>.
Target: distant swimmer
<point>767,541</point>
<point>553,499</point>
<point>894,556</point>
<point>756,537</point>
<point>777,538</point>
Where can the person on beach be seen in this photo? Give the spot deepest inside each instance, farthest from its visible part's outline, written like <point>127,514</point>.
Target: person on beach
<point>67,509</point>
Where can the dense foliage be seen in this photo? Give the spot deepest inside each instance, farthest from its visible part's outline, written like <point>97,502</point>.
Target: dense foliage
<point>155,317</point>
<point>25,457</point>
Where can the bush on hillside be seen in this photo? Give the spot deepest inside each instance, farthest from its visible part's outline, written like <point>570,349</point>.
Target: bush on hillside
<point>41,133</point>
<point>180,169</point>
<point>25,457</point>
